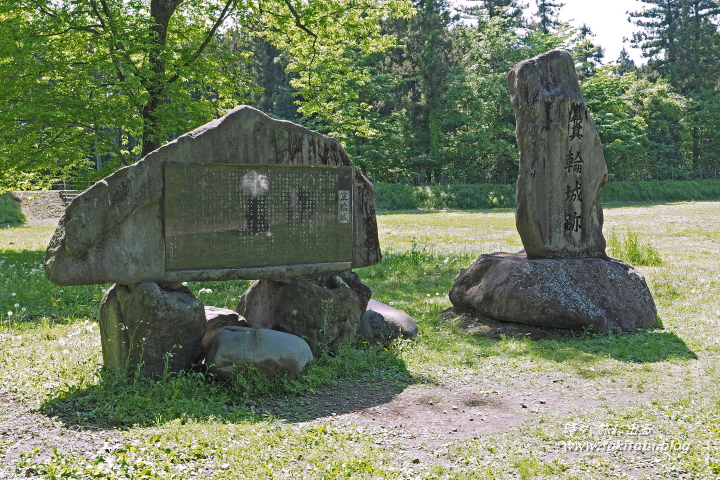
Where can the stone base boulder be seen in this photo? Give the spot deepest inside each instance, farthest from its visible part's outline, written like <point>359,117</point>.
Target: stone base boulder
<point>573,293</point>
<point>147,326</point>
<point>323,311</point>
<point>270,351</point>
<point>383,323</point>
<point>219,318</point>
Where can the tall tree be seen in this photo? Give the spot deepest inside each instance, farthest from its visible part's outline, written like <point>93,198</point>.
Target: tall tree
<point>547,15</point>
<point>588,55</point>
<point>421,68</point>
<point>681,39</point>
<point>625,64</point>
<point>484,10</point>
<point>122,77</point>
<point>614,100</point>
<point>327,43</point>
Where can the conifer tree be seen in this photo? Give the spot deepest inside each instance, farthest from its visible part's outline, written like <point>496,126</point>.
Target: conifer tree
<point>548,13</point>
<point>680,37</point>
<point>421,69</point>
<point>588,54</point>
<point>486,10</point>
<point>625,64</point>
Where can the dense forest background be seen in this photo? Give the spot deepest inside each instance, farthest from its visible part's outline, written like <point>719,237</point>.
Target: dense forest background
<point>417,92</point>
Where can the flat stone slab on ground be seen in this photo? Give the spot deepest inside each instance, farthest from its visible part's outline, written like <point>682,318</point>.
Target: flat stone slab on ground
<point>572,293</point>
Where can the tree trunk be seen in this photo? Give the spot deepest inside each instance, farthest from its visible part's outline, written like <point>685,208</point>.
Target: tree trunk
<point>161,11</point>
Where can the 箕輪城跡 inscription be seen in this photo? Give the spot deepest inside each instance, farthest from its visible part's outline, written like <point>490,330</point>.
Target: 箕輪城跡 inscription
<point>257,215</point>
<point>562,167</point>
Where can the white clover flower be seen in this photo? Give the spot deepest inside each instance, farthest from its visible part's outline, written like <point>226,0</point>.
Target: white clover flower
<point>10,314</point>
<point>17,305</point>
<point>23,309</point>
<point>104,290</point>
<point>14,294</point>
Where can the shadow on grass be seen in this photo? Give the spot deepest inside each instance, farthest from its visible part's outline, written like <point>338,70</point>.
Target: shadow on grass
<point>338,385</point>
<point>558,345</point>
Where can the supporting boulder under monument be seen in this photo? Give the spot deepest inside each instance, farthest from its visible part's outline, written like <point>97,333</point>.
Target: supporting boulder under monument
<point>573,293</point>
<point>151,328</point>
<point>324,311</point>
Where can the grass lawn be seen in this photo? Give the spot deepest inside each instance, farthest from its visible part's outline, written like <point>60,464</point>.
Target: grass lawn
<point>450,404</point>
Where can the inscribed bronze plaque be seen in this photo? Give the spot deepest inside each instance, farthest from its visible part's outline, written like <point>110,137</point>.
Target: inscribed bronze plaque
<point>229,216</point>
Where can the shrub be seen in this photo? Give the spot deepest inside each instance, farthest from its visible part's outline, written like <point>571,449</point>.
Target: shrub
<point>10,210</point>
<point>661,191</point>
<point>466,196</point>
<point>390,196</point>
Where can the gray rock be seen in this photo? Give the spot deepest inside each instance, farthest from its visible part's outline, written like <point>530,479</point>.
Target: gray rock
<point>324,311</point>
<point>113,232</point>
<point>147,327</point>
<point>381,322</point>
<point>219,318</point>
<point>562,167</point>
<point>579,293</point>
<point>270,351</point>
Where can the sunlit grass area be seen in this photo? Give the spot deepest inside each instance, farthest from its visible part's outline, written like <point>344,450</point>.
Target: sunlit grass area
<point>586,397</point>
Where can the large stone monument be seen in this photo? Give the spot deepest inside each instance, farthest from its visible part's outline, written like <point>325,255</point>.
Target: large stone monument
<point>562,278</point>
<point>242,197</point>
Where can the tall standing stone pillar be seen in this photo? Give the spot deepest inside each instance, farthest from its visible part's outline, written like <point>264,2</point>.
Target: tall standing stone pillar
<point>562,167</point>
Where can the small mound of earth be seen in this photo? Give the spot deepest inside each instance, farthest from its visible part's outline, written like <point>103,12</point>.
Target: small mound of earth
<point>40,207</point>
<point>471,322</point>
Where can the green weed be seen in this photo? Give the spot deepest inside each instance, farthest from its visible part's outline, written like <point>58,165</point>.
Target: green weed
<point>632,250</point>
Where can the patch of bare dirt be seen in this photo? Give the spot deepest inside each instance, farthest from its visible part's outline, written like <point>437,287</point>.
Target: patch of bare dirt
<point>40,207</point>
<point>425,417</point>
<point>21,431</point>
